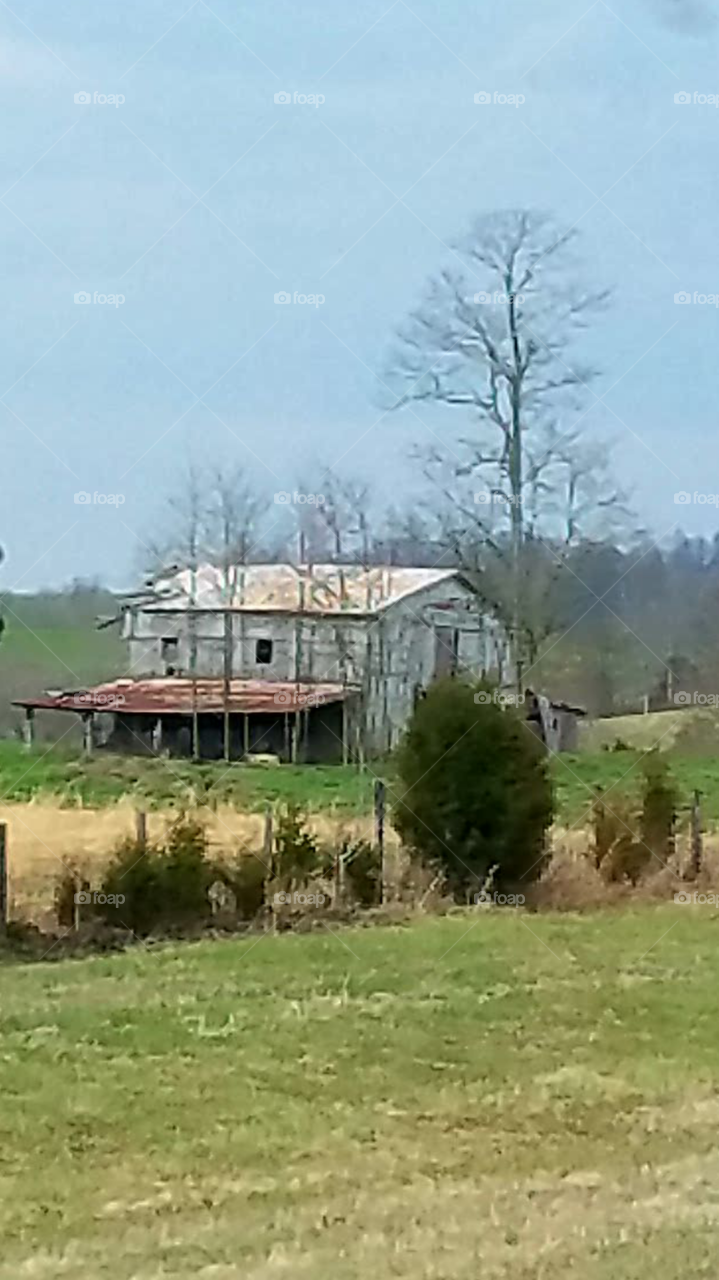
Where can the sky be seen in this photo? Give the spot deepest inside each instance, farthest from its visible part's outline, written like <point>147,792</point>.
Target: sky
<point>147,159</point>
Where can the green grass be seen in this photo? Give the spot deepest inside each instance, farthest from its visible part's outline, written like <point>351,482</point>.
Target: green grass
<point>536,1096</point>
<point>104,779</point>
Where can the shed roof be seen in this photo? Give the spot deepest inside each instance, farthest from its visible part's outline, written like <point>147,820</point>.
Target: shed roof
<point>316,588</point>
<point>174,695</point>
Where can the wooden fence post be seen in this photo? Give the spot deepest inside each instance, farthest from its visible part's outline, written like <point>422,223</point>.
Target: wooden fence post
<point>3,877</point>
<point>268,841</point>
<point>141,829</point>
<point>697,850</point>
<point>380,793</point>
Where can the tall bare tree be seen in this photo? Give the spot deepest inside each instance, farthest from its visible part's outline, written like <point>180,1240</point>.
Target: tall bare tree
<point>493,336</point>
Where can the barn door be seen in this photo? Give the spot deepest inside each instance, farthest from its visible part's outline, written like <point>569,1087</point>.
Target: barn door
<point>446,651</point>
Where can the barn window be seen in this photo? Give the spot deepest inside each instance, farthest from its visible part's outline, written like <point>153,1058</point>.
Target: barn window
<point>263,651</point>
<point>168,648</point>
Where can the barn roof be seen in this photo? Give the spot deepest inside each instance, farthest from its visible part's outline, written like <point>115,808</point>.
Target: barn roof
<point>286,588</point>
<point>174,695</point>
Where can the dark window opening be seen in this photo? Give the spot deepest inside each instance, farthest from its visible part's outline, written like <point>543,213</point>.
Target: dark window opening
<point>168,648</point>
<point>263,652</point>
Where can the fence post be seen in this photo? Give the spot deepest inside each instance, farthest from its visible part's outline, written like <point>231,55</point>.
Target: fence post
<point>141,829</point>
<point>380,792</point>
<point>268,841</point>
<point>3,877</point>
<point>695,860</point>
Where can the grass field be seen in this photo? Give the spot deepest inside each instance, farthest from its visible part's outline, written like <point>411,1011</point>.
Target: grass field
<point>106,779</point>
<point>533,1097</point>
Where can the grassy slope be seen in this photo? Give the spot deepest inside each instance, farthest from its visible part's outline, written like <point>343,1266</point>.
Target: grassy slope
<point>157,783</point>
<point>535,1097</point>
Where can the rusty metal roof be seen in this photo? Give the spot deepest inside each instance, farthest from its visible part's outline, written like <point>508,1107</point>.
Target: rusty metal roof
<point>316,588</point>
<point>174,695</point>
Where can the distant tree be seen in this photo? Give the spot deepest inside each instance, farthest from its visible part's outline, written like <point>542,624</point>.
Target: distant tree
<point>473,792</point>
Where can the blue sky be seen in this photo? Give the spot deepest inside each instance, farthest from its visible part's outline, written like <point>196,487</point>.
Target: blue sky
<point>359,199</point>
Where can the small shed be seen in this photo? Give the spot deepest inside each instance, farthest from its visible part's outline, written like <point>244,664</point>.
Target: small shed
<point>556,723</point>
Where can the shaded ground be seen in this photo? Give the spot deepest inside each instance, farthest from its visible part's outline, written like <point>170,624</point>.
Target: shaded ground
<point>498,1094</point>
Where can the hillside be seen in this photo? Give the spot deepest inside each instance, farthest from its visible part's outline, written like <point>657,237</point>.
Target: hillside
<point>51,641</point>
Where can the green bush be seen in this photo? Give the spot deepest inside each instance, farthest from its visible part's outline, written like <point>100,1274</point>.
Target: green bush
<point>296,853</point>
<point>161,885</point>
<point>246,877</point>
<point>659,807</point>
<point>363,872</point>
<point>473,792</point>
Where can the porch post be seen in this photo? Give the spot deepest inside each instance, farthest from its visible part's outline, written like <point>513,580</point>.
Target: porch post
<point>88,732</point>
<point>28,728</point>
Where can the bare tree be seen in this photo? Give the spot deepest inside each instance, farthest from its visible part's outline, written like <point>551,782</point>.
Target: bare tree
<point>498,345</point>
<point>234,514</point>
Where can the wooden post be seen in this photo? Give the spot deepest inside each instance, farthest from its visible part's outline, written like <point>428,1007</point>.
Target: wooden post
<point>345,753</point>
<point>88,740</point>
<point>28,728</point>
<point>697,849</point>
<point>141,829</point>
<point>379,816</point>
<point>268,840</point>
<point>3,877</point>
<point>227,684</point>
<point>288,739</point>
